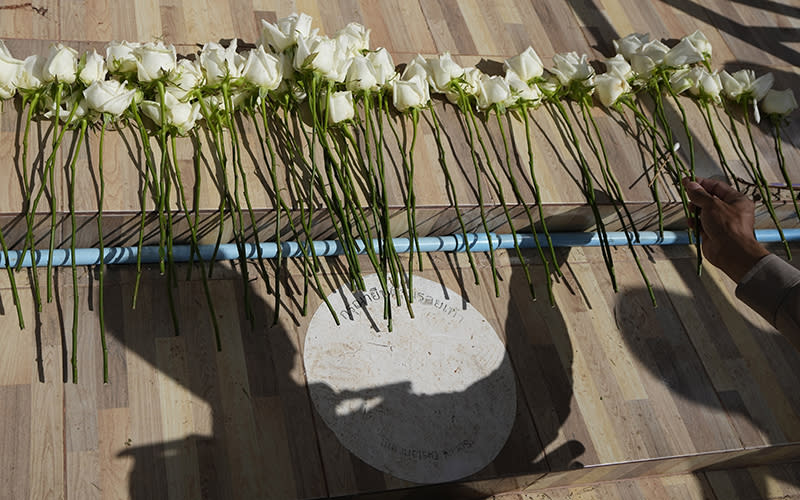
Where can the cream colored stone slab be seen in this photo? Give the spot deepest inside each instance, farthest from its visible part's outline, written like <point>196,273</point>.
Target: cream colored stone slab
<point>433,400</point>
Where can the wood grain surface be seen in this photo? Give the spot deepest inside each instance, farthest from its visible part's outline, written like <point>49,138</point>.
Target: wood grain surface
<point>609,388</point>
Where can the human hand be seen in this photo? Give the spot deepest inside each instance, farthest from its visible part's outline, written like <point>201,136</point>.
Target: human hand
<point>726,218</point>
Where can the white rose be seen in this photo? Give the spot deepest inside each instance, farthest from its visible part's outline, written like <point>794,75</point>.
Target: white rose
<point>417,67</point>
<point>353,39</point>
<point>94,69</point>
<point>549,85</point>
<point>655,50</point>
<point>219,62</point>
<point>323,55</point>
<point>707,85</point>
<point>61,64</point>
<point>120,58</point>
<point>619,67</point>
<point>570,67</point>
<point>631,44</point>
<point>74,100</point>
<point>181,115</point>
<point>361,75</point>
<point>526,66</point>
<point>682,80</point>
<point>609,88</point>
<point>521,90</point>
<point>472,78</point>
<point>285,32</point>
<point>340,106</point>
<point>412,93</point>
<point>744,84</point>
<point>682,54</point>
<point>493,91</point>
<point>154,61</point>
<point>700,41</point>
<point>263,70</point>
<point>109,96</point>
<point>31,76</point>
<point>650,55</point>
<point>187,76</point>
<point>441,71</point>
<point>10,71</point>
<point>383,65</point>
<point>779,102</point>
<point>642,66</point>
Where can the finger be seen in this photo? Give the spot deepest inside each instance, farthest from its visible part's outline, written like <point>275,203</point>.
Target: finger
<point>697,193</point>
<point>720,189</point>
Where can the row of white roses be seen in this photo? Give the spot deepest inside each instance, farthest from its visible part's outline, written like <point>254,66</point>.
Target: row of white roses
<point>290,45</point>
<point>638,58</point>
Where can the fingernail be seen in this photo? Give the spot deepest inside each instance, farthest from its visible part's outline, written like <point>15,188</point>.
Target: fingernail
<point>691,185</point>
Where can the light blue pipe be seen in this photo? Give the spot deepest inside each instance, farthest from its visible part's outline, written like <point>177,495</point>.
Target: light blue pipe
<point>478,242</point>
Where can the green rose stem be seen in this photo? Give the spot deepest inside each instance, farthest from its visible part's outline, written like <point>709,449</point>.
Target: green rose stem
<point>684,121</point>
<point>465,107</point>
<point>680,168</point>
<point>411,203</point>
<point>702,103</point>
<point>398,273</point>
<point>216,125</point>
<point>193,231</point>
<point>149,167</point>
<point>588,191</point>
<point>345,180</point>
<point>101,268</point>
<point>27,185</point>
<point>776,135</point>
<point>48,172</point>
<point>276,188</point>
<point>655,135</point>
<point>537,196</point>
<point>437,134</point>
<point>237,153</point>
<point>501,196</point>
<point>332,205</point>
<point>613,188</point>
<point>339,172</point>
<point>197,180</point>
<point>12,280</point>
<point>518,195</point>
<point>237,167</point>
<point>690,140</point>
<point>381,209</point>
<point>369,132</point>
<point>246,191</point>
<point>761,181</point>
<point>217,138</point>
<point>52,182</point>
<point>73,265</point>
<point>599,149</point>
<point>164,208</point>
<point>334,176</point>
<point>310,258</point>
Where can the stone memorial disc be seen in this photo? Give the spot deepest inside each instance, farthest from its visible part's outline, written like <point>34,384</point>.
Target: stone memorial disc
<point>433,400</point>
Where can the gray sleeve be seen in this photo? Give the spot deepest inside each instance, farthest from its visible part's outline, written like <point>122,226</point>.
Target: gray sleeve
<point>772,289</point>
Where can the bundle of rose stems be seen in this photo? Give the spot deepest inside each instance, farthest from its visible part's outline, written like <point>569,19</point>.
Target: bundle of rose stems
<point>325,110</point>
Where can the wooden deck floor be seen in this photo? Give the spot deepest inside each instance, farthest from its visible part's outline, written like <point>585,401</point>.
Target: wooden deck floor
<point>609,388</point>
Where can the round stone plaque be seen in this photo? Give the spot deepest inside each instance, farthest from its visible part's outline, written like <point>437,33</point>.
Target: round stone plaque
<point>433,400</point>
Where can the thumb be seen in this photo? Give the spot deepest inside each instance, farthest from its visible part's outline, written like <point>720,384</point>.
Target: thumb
<point>697,194</point>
